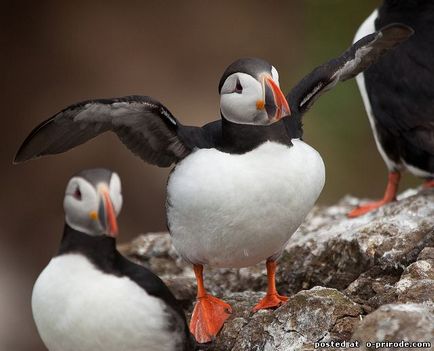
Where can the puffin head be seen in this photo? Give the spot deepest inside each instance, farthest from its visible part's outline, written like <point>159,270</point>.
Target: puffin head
<point>250,94</point>
<point>93,199</point>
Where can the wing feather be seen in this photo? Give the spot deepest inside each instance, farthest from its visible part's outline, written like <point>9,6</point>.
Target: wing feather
<point>353,61</point>
<point>143,124</point>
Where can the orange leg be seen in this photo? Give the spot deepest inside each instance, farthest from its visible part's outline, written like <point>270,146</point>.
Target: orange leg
<point>209,313</point>
<point>429,183</point>
<point>389,196</point>
<point>272,298</point>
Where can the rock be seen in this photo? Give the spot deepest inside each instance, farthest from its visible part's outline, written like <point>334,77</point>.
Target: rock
<point>374,288</point>
<point>426,254</point>
<point>417,282</point>
<point>395,323</point>
<point>308,316</point>
<point>332,250</point>
<point>334,270</point>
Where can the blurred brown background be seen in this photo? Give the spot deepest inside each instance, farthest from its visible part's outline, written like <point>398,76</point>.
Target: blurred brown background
<point>55,53</point>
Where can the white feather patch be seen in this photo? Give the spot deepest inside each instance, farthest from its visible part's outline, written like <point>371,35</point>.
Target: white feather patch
<point>350,65</point>
<point>236,210</point>
<point>77,307</point>
<point>417,171</point>
<point>312,93</point>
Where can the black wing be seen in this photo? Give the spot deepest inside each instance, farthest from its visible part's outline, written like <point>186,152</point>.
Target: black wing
<point>154,286</point>
<point>353,61</point>
<point>143,124</point>
<point>400,93</point>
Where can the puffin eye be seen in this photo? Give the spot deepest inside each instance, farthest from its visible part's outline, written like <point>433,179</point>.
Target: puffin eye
<point>238,87</point>
<point>77,193</point>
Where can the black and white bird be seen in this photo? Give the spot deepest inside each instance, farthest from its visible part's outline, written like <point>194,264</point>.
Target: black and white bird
<point>398,94</point>
<point>90,297</point>
<point>241,185</point>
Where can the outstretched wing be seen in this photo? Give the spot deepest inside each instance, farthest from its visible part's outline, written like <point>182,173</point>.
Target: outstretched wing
<point>143,124</point>
<point>353,61</point>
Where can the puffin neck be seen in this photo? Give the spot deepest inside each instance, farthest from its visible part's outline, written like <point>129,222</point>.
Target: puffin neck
<point>101,249</point>
<point>242,138</point>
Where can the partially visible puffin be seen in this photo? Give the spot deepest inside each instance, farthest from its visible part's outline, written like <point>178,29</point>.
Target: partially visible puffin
<point>90,297</point>
<point>241,185</point>
<point>398,95</point>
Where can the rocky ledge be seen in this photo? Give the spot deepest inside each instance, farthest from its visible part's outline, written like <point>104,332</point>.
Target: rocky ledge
<point>369,279</point>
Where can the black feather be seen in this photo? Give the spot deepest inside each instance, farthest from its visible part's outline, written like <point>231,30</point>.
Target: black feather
<point>353,61</point>
<point>143,124</point>
<point>400,87</point>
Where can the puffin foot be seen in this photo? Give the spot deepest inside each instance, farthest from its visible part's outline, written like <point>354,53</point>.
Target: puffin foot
<point>270,301</point>
<point>363,209</point>
<point>429,183</point>
<point>209,315</point>
<point>389,196</point>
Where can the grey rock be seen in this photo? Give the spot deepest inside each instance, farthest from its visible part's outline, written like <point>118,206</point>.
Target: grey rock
<point>426,254</point>
<point>395,323</point>
<point>417,282</point>
<point>334,269</point>
<point>308,316</point>
<point>331,250</point>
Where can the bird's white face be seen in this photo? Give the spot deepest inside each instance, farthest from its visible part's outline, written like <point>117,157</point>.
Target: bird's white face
<point>246,100</point>
<point>93,209</point>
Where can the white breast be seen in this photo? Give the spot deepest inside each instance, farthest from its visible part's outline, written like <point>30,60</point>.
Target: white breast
<point>236,210</point>
<point>78,308</point>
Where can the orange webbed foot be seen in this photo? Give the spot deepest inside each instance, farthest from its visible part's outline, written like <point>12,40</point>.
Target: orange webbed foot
<point>270,301</point>
<point>209,315</point>
<point>366,208</point>
<point>389,196</point>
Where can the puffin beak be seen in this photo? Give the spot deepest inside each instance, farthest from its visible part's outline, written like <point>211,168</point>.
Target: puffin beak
<point>106,212</point>
<point>276,104</point>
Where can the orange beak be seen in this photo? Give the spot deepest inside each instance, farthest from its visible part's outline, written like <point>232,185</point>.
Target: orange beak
<point>276,104</point>
<point>107,214</point>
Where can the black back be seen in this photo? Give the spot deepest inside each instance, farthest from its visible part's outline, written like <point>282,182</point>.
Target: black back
<point>400,86</point>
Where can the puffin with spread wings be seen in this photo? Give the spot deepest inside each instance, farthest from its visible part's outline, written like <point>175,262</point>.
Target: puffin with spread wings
<point>242,185</point>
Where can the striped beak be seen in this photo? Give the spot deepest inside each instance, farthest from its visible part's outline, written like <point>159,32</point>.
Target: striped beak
<point>276,104</point>
<point>106,212</point>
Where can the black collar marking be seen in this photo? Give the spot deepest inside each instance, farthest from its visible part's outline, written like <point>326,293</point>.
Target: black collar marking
<point>242,138</point>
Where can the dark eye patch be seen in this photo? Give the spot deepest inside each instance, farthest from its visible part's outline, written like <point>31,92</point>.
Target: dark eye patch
<point>238,87</point>
<point>77,193</point>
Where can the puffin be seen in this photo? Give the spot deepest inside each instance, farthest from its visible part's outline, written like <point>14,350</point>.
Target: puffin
<point>399,98</point>
<point>90,297</point>
<point>241,185</point>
